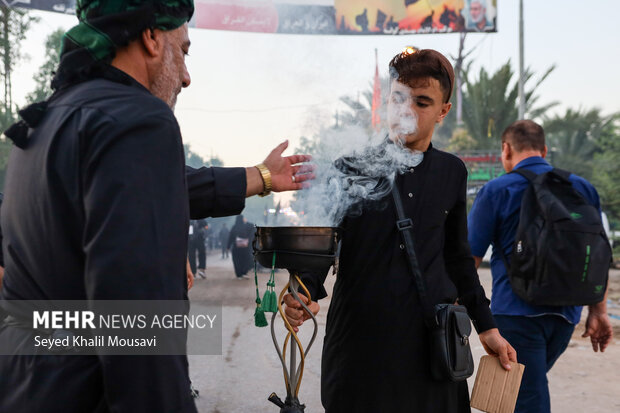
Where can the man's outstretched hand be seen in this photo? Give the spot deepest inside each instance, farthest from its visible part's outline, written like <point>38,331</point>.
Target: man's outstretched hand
<point>288,173</point>
<point>283,169</point>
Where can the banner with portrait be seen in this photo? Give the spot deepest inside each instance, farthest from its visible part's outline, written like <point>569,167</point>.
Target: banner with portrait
<point>415,16</point>
<point>344,17</point>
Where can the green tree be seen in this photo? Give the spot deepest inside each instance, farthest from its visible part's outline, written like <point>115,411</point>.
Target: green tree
<point>606,176</point>
<point>587,143</point>
<point>14,24</point>
<point>460,141</point>
<point>196,161</point>
<point>576,136</point>
<point>43,78</point>
<point>447,129</point>
<point>5,150</point>
<point>257,209</point>
<point>490,103</point>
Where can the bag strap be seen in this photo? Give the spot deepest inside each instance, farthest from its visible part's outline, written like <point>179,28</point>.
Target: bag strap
<point>526,173</point>
<point>530,176</point>
<point>405,227</point>
<point>562,173</point>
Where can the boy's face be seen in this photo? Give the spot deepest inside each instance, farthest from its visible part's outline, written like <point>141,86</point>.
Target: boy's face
<point>414,110</point>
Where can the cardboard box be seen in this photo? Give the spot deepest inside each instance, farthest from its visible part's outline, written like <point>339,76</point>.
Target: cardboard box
<point>495,389</point>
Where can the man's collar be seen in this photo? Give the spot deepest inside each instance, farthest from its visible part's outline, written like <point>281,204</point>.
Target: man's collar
<point>116,75</point>
<point>389,141</point>
<point>532,160</point>
<point>76,67</point>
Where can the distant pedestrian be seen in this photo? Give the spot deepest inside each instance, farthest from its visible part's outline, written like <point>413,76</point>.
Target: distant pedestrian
<point>197,233</point>
<point>239,240</point>
<point>209,239</point>
<point>223,237</point>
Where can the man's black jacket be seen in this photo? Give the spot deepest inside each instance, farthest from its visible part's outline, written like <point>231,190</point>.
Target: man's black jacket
<point>97,208</point>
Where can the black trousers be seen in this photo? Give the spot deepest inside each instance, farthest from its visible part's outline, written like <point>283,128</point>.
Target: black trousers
<point>197,246</point>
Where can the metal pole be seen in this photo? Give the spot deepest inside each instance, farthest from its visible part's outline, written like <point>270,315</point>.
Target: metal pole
<point>521,71</point>
<point>459,92</point>
<point>294,286</point>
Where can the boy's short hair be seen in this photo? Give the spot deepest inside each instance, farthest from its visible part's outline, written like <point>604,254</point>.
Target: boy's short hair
<point>407,68</point>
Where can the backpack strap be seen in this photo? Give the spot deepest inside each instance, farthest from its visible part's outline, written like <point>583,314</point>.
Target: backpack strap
<point>530,176</point>
<point>562,174</point>
<point>526,173</point>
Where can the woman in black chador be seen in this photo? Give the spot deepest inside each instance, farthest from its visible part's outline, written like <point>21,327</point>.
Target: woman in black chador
<point>240,241</point>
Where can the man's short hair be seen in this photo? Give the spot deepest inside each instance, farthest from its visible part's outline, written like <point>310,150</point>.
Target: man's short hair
<point>482,3</point>
<point>407,68</point>
<point>524,135</point>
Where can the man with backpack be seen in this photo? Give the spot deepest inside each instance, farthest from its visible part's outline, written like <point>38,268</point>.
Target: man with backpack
<point>550,256</point>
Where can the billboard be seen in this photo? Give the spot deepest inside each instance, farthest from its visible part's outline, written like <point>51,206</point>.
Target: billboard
<point>415,16</point>
<point>266,16</point>
<point>344,17</point>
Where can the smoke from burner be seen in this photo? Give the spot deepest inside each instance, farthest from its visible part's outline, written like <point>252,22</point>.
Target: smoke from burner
<point>355,170</point>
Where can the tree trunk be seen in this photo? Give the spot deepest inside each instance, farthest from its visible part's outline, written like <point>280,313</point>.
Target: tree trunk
<point>459,93</point>
<point>6,60</point>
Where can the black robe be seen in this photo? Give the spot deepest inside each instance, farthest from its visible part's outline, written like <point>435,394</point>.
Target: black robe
<point>376,347</point>
<point>96,208</point>
<point>241,256</point>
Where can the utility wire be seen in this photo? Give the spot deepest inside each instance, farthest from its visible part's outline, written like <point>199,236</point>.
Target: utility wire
<point>272,109</point>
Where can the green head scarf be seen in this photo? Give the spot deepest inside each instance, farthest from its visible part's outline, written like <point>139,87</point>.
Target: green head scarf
<point>106,25</point>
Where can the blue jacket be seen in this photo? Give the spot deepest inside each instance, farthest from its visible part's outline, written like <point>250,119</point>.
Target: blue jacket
<point>496,211</point>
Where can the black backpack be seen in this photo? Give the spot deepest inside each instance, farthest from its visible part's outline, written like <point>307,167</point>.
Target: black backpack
<point>561,254</point>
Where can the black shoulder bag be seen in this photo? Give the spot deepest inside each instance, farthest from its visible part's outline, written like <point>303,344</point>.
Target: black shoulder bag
<point>449,325</point>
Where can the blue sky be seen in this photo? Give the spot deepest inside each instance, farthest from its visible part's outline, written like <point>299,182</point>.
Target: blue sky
<point>250,91</point>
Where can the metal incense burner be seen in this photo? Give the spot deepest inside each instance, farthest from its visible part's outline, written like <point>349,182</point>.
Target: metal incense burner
<point>296,249</point>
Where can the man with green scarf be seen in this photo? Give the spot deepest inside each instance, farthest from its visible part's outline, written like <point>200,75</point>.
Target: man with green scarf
<point>97,207</point>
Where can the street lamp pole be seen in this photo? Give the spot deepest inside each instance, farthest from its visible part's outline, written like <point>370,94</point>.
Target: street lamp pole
<point>521,71</point>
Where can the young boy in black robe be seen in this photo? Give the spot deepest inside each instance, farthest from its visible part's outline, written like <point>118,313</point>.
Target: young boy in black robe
<point>376,351</point>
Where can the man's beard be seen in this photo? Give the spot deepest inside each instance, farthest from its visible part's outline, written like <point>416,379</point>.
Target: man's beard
<point>165,84</point>
<point>477,19</point>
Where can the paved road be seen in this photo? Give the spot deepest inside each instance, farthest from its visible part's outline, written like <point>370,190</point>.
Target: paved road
<point>249,369</point>
<point>241,379</point>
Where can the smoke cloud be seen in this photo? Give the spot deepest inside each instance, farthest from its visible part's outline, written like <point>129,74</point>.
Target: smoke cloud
<point>356,171</point>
